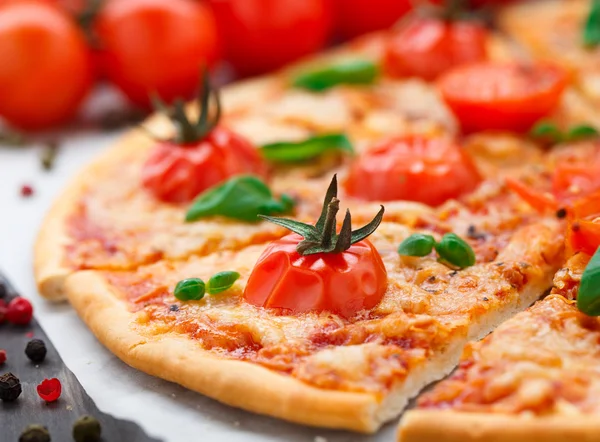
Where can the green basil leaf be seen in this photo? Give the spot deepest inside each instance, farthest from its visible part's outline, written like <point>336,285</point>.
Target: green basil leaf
<point>344,72</point>
<point>307,149</point>
<point>454,250</point>
<point>191,289</point>
<point>581,132</point>
<point>588,297</point>
<point>591,28</point>
<point>221,281</point>
<point>546,131</point>
<point>416,244</point>
<point>242,197</point>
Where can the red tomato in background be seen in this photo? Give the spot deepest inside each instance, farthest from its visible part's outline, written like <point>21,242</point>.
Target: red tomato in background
<point>156,46</point>
<point>502,96</point>
<point>357,17</point>
<point>426,47</point>
<point>413,168</point>
<point>45,70</point>
<point>177,174</point>
<point>263,35</point>
<point>342,283</point>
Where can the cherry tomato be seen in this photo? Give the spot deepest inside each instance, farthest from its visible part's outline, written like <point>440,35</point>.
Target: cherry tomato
<point>45,69</point>
<point>263,35</point>
<point>156,46</point>
<point>357,17</point>
<point>502,96</point>
<point>426,47</point>
<point>583,235</point>
<point>342,283</point>
<point>177,174</point>
<point>19,311</point>
<point>414,168</point>
<point>538,199</point>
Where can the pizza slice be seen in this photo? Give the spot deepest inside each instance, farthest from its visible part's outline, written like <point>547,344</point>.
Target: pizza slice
<point>333,330</point>
<point>535,376</point>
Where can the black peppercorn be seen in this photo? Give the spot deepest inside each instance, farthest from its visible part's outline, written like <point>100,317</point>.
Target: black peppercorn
<point>10,387</point>
<point>87,429</point>
<point>36,350</point>
<point>35,433</point>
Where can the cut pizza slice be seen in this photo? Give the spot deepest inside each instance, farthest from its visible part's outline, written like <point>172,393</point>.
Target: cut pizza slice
<point>333,330</point>
<point>536,376</point>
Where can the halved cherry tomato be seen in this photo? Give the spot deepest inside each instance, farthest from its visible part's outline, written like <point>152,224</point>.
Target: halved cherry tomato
<point>177,173</point>
<point>45,69</point>
<point>156,46</point>
<point>428,47</point>
<point>414,168</point>
<point>502,96</point>
<point>583,235</point>
<point>357,17</point>
<point>342,283</point>
<point>263,35</point>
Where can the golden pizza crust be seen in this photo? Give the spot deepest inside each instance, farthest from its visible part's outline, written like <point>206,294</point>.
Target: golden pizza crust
<point>451,426</point>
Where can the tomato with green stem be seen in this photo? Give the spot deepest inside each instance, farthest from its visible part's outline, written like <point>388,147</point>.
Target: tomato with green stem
<point>414,168</point>
<point>502,96</point>
<point>316,269</point>
<point>40,47</point>
<point>202,154</point>
<point>263,35</point>
<point>156,46</point>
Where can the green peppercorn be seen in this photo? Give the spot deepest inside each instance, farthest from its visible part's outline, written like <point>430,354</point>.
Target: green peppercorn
<point>36,350</point>
<point>10,387</point>
<point>35,433</point>
<point>87,429</point>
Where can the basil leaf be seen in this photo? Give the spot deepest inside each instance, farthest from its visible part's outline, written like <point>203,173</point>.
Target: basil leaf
<point>588,297</point>
<point>242,197</point>
<point>591,29</point>
<point>581,132</point>
<point>221,281</point>
<point>344,72</point>
<point>308,149</point>
<point>191,289</point>
<point>416,244</point>
<point>455,251</point>
<point>546,131</point>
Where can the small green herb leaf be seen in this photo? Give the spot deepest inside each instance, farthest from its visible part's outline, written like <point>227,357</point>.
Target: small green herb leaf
<point>344,72</point>
<point>546,131</point>
<point>591,29</point>
<point>416,244</point>
<point>454,250</point>
<point>588,297</point>
<point>242,197</point>
<point>307,149</point>
<point>581,132</point>
<point>191,289</point>
<point>221,281</point>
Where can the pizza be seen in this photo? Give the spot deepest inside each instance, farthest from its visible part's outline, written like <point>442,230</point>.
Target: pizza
<point>321,244</point>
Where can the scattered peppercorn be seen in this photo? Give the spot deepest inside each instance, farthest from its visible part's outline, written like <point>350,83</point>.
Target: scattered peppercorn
<point>35,433</point>
<point>50,389</point>
<point>87,429</point>
<point>26,190</point>
<point>2,357</point>
<point>174,308</point>
<point>19,311</point>
<point>10,387</point>
<point>36,350</point>
<point>561,213</point>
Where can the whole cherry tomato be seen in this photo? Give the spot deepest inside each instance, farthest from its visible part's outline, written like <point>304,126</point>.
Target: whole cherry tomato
<point>156,46</point>
<point>177,173</point>
<point>263,35</point>
<point>502,96</point>
<point>19,311</point>
<point>342,283</point>
<point>428,47</point>
<point>414,168</point>
<point>45,69</point>
<point>357,17</point>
